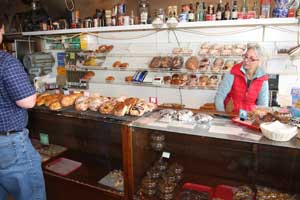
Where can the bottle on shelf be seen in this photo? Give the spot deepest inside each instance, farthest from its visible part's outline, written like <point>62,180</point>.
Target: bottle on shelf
<point>227,12</point>
<point>191,15</point>
<point>131,19</point>
<point>200,12</point>
<point>144,11</point>
<point>234,12</point>
<point>244,10</point>
<point>298,12</point>
<point>255,9</point>
<point>265,8</point>
<point>219,11</point>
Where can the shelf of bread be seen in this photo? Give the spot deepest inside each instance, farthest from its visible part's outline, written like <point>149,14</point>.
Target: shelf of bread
<point>149,27</point>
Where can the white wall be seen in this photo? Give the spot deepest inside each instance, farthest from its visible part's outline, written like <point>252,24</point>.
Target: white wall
<point>138,47</point>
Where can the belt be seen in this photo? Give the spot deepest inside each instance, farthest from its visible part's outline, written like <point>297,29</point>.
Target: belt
<point>7,133</point>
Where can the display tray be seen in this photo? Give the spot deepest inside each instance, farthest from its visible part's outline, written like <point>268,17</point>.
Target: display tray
<point>46,108</point>
<point>126,118</point>
<point>246,123</point>
<point>92,169</point>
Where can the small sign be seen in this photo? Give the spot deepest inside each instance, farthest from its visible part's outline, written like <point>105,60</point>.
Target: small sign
<point>243,115</point>
<point>44,139</point>
<point>166,155</point>
<point>153,100</point>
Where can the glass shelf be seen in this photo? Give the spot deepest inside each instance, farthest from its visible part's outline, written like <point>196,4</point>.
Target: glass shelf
<point>185,87</point>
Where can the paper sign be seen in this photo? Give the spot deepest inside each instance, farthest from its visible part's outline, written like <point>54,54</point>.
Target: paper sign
<point>166,155</point>
<point>44,139</point>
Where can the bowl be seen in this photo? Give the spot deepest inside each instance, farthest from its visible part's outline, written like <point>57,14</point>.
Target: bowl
<point>278,131</point>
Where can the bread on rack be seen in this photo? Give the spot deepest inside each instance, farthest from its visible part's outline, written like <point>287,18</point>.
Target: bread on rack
<point>177,62</point>
<point>213,81</point>
<point>192,63</point>
<point>155,62</point>
<point>124,65</point>
<point>204,63</point>
<point>128,78</point>
<point>116,64</point>
<point>109,79</point>
<point>40,100</point>
<point>67,101</point>
<point>167,80</point>
<point>166,62</point>
<point>95,103</point>
<point>203,80</point>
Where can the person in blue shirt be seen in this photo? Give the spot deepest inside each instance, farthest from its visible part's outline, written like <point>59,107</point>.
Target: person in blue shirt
<point>245,86</point>
<point>21,174</point>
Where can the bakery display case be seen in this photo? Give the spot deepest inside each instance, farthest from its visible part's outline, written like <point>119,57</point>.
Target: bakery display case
<point>209,154</point>
<point>94,141</point>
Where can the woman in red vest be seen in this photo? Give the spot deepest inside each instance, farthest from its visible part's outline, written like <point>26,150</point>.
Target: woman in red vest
<point>245,86</point>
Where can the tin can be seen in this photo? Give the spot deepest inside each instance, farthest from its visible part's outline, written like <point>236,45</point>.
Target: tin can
<point>73,25</point>
<point>208,17</point>
<point>44,26</point>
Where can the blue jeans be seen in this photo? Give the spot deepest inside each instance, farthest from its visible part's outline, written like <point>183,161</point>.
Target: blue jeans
<point>20,168</point>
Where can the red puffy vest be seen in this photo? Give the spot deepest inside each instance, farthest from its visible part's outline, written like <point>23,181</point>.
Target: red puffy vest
<point>243,97</point>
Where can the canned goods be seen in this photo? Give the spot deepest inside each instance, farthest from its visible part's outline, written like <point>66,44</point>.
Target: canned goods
<point>208,17</point>
<point>88,23</point>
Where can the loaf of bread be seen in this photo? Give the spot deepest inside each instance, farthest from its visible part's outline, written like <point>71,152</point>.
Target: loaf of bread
<point>192,63</point>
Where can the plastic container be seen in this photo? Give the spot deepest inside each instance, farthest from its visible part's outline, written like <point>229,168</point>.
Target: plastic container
<point>199,188</point>
<point>278,132</point>
<point>224,192</point>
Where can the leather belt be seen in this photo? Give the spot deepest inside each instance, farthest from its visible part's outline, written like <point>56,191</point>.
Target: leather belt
<point>7,133</point>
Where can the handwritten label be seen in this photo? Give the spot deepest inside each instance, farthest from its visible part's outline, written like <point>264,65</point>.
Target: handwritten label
<point>166,155</point>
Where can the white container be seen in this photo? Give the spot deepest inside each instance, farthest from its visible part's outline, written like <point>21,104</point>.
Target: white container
<point>278,131</point>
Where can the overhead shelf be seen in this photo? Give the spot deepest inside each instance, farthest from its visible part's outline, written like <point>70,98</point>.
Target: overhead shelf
<point>187,25</point>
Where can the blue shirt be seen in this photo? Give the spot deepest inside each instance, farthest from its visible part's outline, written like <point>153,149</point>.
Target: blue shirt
<point>14,86</point>
<point>227,82</point>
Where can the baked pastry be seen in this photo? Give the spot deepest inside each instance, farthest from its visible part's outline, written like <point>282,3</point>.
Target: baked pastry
<point>176,82</point>
<point>203,80</point>
<point>175,76</point>
<point>243,193</point>
<point>40,100</point>
<point>130,102</point>
<point>166,62</point>
<point>226,52</point>
<point>67,101</point>
<point>205,45</point>
<point>151,106</point>
<point>52,98</point>
<point>139,109</point>
<point>82,103</point>
<point>167,79</point>
<point>214,52</point>
<point>213,81</point>
<point>107,107</point>
<point>177,62</point>
<point>219,62</point>
<point>192,80</point>
<point>183,77</point>
<point>55,106</point>
<point>124,65</point>
<point>109,48</point>
<point>102,48</point>
<point>155,62</point>
<point>237,51</point>
<point>109,79</point>
<point>120,109</point>
<point>128,78</point>
<point>95,103</point>
<point>204,63</point>
<point>192,63</point>
<point>116,64</point>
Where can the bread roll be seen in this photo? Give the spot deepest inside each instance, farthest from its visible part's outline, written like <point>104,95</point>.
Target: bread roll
<point>107,107</point>
<point>130,102</point>
<point>129,78</point>
<point>155,62</point>
<point>67,101</point>
<point>166,62</point>
<point>177,62</point>
<point>124,65</point>
<point>55,106</point>
<point>95,103</point>
<point>192,63</point>
<point>120,109</point>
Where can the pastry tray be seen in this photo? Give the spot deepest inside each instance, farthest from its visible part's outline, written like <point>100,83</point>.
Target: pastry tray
<point>109,181</point>
<point>246,123</point>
